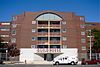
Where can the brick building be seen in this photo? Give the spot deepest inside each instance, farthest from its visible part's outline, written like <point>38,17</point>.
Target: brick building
<point>51,29</point>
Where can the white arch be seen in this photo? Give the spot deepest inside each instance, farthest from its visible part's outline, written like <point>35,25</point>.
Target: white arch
<point>49,16</point>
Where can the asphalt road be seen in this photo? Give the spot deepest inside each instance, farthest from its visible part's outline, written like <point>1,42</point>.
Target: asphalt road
<point>32,65</point>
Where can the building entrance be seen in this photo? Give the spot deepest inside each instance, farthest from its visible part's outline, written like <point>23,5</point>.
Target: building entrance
<point>48,57</point>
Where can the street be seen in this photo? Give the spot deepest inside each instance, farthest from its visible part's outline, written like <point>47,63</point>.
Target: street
<point>34,65</point>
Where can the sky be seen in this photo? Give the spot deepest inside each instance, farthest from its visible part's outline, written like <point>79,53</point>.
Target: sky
<point>88,8</point>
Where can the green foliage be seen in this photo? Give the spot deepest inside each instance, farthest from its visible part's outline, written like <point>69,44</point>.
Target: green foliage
<point>97,39</point>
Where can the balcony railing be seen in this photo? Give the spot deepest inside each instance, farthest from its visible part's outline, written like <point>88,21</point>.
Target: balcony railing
<point>48,50</point>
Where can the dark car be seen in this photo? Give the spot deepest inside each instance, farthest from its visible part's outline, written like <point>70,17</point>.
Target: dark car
<point>98,61</point>
<point>84,62</point>
<point>91,62</point>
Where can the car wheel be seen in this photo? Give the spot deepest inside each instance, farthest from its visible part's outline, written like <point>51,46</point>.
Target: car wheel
<point>86,63</point>
<point>72,63</point>
<point>57,63</point>
<point>98,63</point>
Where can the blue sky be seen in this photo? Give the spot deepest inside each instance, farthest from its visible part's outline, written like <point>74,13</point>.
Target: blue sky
<point>88,8</point>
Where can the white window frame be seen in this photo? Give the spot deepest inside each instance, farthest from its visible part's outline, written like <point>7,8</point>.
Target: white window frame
<point>82,33</point>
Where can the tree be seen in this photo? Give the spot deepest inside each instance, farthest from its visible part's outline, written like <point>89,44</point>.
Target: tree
<point>96,45</point>
<point>13,51</point>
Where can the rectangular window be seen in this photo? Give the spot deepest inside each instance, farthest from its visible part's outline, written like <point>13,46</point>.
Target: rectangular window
<point>5,23</point>
<point>33,22</point>
<point>82,33</point>
<point>54,38</point>
<point>54,22</point>
<point>64,22</point>
<point>83,40</point>
<point>33,38</point>
<point>5,29</point>
<point>13,40</point>
<point>43,22</point>
<point>42,30</point>
<point>42,38</point>
<point>64,46</point>
<point>13,32</point>
<point>54,30</point>
<point>83,47</point>
<point>33,30</point>
<point>4,35</point>
<point>64,30</point>
<point>33,46</point>
<point>14,18</point>
<point>42,46</point>
<point>14,25</point>
<point>54,46</point>
<point>64,38</point>
<point>82,26</point>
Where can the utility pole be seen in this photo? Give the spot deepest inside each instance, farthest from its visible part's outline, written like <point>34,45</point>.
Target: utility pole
<point>90,38</point>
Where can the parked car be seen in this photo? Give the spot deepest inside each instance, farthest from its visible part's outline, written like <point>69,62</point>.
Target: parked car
<point>90,61</point>
<point>66,60</point>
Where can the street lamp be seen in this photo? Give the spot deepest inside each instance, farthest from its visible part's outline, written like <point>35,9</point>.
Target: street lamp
<point>90,37</point>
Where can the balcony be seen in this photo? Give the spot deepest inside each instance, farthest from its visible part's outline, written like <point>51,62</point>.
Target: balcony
<point>42,42</point>
<point>42,33</point>
<point>55,34</point>
<point>48,50</point>
<point>55,42</point>
<point>55,26</point>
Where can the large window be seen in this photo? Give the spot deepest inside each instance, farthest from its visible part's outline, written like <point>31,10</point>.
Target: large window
<point>54,22</point>
<point>54,38</point>
<point>42,30</point>
<point>42,46</point>
<point>49,16</point>
<point>42,22</point>
<point>42,38</point>
<point>54,30</point>
<point>54,46</point>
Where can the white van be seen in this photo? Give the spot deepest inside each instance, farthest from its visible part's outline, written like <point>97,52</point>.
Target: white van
<point>66,60</point>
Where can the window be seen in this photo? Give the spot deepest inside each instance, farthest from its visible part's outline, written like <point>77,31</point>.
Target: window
<point>82,18</point>
<point>64,30</point>
<point>42,38</point>
<point>83,40</point>
<point>54,46</point>
<point>54,38</point>
<point>49,16</point>
<point>14,18</point>
<point>43,22</point>
<point>64,22</point>
<point>42,46</point>
<point>5,23</point>
<point>4,35</point>
<point>33,38</point>
<point>33,46</point>
<point>5,29</point>
<point>42,30</point>
<point>82,33</point>
<point>14,25</point>
<point>33,30</point>
<point>83,47</point>
<point>13,32</point>
<point>64,38</point>
<point>33,22</point>
<point>82,26</point>
<point>13,40</point>
<point>64,46</point>
<point>54,30</point>
<point>54,22</point>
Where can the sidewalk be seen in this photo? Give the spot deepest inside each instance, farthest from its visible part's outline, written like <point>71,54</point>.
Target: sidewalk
<point>35,62</point>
